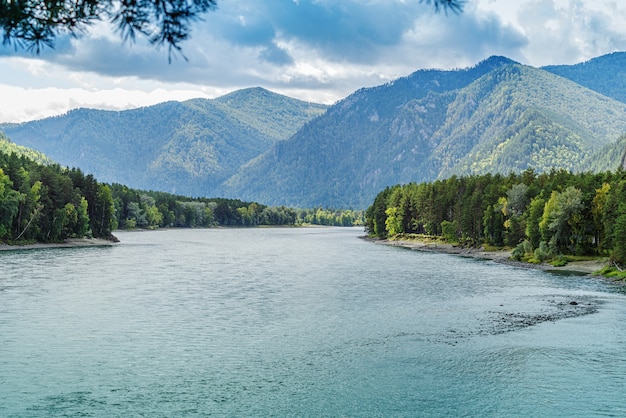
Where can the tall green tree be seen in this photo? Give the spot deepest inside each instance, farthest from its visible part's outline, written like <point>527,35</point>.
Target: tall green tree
<point>102,220</point>
<point>562,214</point>
<point>393,223</point>
<point>613,220</point>
<point>493,222</point>
<point>599,204</point>
<point>376,215</point>
<point>619,237</point>
<point>9,204</point>
<point>535,215</point>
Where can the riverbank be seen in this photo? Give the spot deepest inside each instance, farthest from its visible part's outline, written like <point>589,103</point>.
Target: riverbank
<point>69,243</point>
<point>499,256</point>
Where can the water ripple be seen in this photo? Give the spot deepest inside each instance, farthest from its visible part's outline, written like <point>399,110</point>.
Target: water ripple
<point>300,322</point>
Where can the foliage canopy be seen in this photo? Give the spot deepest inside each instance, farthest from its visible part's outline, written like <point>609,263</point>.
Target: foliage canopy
<point>542,216</point>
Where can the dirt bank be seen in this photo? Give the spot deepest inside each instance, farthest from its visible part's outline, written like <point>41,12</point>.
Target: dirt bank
<point>500,256</point>
<point>69,243</point>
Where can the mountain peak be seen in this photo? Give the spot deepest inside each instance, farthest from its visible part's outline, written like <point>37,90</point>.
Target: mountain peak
<point>494,61</point>
<point>498,116</point>
<point>250,91</point>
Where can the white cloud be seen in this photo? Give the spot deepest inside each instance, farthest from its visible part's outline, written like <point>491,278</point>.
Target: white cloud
<point>311,49</point>
<point>31,104</point>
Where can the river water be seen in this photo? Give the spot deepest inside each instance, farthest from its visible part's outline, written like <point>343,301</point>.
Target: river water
<point>300,322</point>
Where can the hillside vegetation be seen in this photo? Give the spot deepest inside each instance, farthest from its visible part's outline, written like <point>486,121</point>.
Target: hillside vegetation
<point>7,147</point>
<point>497,117</point>
<point>253,145</point>
<point>187,148</point>
<point>605,74</point>
<point>44,202</point>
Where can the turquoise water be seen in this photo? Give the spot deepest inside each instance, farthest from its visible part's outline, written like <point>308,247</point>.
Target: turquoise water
<point>300,322</point>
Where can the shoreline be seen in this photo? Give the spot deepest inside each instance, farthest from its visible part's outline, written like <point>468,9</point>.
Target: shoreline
<point>69,243</point>
<point>499,256</point>
<point>101,242</point>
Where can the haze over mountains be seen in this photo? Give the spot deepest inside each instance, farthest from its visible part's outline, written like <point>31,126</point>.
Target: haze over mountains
<point>498,116</point>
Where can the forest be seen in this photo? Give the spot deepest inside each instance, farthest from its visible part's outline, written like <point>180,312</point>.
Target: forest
<point>45,202</point>
<point>542,217</point>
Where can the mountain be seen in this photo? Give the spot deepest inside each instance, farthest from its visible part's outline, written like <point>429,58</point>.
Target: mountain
<point>8,147</point>
<point>255,145</point>
<point>498,116</point>
<point>605,74</point>
<point>610,157</point>
<point>181,147</point>
<point>333,158</point>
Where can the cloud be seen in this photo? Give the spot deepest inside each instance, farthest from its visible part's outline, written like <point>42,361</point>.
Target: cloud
<point>350,30</point>
<point>568,32</point>
<point>462,40</point>
<point>32,104</point>
<point>322,50</point>
<point>62,45</point>
<point>278,42</point>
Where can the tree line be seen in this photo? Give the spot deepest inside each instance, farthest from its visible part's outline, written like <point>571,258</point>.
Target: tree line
<point>542,217</point>
<point>150,209</point>
<point>49,203</point>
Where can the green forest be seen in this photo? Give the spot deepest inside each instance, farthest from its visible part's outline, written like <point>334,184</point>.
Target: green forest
<point>45,202</point>
<point>543,217</point>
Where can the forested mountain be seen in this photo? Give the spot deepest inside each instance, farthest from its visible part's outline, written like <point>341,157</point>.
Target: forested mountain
<point>187,148</point>
<point>498,116</point>
<point>7,147</point>
<point>605,74</point>
<point>334,158</point>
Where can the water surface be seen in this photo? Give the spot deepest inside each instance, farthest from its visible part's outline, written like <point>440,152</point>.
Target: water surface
<point>300,322</point>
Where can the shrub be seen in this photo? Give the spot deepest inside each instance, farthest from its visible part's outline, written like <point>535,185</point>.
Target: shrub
<point>542,253</point>
<point>522,250</point>
<point>448,230</point>
<point>518,253</point>
<point>559,261</point>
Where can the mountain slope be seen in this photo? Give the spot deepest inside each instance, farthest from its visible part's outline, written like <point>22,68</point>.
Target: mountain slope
<point>508,117</point>
<point>186,148</point>
<point>605,74</point>
<point>8,147</point>
<point>529,119</point>
<point>610,157</point>
<point>332,158</point>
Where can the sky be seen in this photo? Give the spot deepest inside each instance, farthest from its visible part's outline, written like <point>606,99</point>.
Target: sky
<point>314,50</point>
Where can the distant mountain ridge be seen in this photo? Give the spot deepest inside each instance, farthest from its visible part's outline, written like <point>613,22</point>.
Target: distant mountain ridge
<point>348,148</point>
<point>181,147</point>
<point>605,74</point>
<point>497,116</point>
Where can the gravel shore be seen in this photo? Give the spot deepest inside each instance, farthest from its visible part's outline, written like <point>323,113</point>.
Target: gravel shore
<point>500,256</point>
<point>69,243</point>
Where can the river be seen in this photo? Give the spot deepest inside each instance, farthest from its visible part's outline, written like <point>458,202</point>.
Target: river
<point>300,322</point>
